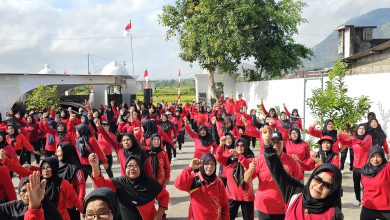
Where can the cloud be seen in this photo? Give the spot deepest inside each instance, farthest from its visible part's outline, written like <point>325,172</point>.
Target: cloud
<point>62,33</point>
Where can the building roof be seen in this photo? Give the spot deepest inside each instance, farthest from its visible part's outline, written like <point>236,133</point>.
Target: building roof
<point>46,70</point>
<point>114,69</point>
<point>376,49</point>
<point>342,27</point>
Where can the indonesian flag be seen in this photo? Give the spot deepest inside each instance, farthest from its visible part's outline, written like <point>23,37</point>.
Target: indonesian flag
<point>127,29</point>
<point>146,76</point>
<point>178,88</point>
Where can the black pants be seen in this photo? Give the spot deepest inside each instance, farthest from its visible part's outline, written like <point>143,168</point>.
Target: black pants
<point>224,180</point>
<point>356,176</point>
<point>370,214</point>
<point>49,153</point>
<point>169,150</point>
<point>109,169</point>
<point>344,157</point>
<point>87,170</point>
<point>253,142</point>
<point>74,214</point>
<point>24,156</point>
<point>247,209</point>
<point>265,216</point>
<point>37,147</point>
<point>180,139</point>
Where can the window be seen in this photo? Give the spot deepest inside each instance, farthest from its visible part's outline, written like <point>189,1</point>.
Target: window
<point>367,34</point>
<point>341,42</point>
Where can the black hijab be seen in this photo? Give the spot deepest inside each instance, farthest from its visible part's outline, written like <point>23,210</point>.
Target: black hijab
<point>238,170</point>
<point>370,170</point>
<point>82,142</point>
<point>299,139</point>
<point>167,125</point>
<point>14,135</point>
<point>317,206</point>
<point>226,120</point>
<point>53,184</point>
<point>377,134</point>
<point>233,141</point>
<point>286,123</point>
<point>205,158</point>
<point>70,162</point>
<point>326,156</point>
<point>135,192</point>
<point>207,139</point>
<point>15,210</point>
<point>108,196</point>
<point>153,152</point>
<point>135,149</point>
<point>332,133</point>
<point>4,142</point>
<point>149,127</point>
<point>61,134</point>
<point>272,110</point>
<point>360,137</point>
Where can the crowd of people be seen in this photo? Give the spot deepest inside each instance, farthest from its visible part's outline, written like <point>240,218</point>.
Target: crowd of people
<point>71,146</point>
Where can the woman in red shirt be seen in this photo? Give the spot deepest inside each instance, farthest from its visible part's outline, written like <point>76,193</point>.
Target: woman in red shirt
<point>159,161</point>
<point>207,192</point>
<point>136,191</point>
<point>32,130</point>
<point>298,149</point>
<point>325,154</point>
<point>20,143</point>
<point>327,130</point>
<point>203,139</point>
<point>375,181</point>
<point>378,135</point>
<point>294,117</point>
<point>169,128</point>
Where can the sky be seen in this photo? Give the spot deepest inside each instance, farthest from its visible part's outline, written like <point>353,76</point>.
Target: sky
<point>63,32</point>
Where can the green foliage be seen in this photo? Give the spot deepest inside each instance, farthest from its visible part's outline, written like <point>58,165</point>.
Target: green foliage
<point>80,90</point>
<point>221,34</point>
<point>173,82</point>
<point>334,103</point>
<point>169,94</point>
<point>42,98</point>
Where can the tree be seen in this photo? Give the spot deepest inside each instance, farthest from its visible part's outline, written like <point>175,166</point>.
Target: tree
<point>219,34</point>
<point>42,97</point>
<point>333,102</point>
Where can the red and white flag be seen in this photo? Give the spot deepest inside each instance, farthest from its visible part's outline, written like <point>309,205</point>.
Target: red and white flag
<point>146,77</point>
<point>127,29</point>
<point>178,88</point>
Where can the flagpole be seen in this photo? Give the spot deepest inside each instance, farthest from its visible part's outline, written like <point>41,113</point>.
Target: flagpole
<point>132,55</point>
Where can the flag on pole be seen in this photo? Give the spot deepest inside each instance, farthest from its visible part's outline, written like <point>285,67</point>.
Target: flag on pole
<point>65,72</point>
<point>178,88</point>
<point>146,76</point>
<point>127,29</point>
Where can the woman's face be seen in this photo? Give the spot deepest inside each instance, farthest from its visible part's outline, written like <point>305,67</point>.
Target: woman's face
<point>272,113</point>
<point>1,138</point>
<point>376,159</point>
<point>361,130</point>
<point>202,132</point>
<point>46,170</point>
<point>156,141</point>
<point>23,194</point>
<point>60,127</point>
<point>209,167</point>
<point>283,116</point>
<point>228,124</point>
<point>83,120</point>
<point>10,130</point>
<point>330,126</point>
<point>294,113</point>
<point>229,140</point>
<point>294,135</point>
<point>320,186</point>
<point>29,119</point>
<point>240,148</point>
<point>325,145</point>
<point>374,124</point>
<point>164,118</point>
<point>126,142</point>
<point>133,170</point>
<point>95,114</point>
<point>98,207</point>
<point>59,154</point>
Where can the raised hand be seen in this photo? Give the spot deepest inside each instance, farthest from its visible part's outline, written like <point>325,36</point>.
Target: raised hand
<point>3,156</point>
<point>213,120</point>
<point>222,141</point>
<point>252,165</point>
<point>35,190</point>
<point>195,163</point>
<point>93,160</point>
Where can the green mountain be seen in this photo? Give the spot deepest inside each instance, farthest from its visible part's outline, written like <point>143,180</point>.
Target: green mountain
<point>325,53</point>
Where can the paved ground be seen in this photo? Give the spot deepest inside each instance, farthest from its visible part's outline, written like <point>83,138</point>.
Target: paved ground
<point>179,200</point>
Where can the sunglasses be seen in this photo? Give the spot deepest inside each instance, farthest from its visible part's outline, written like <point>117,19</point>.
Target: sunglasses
<point>326,185</point>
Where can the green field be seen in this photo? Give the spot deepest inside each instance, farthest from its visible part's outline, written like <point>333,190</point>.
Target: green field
<point>169,94</point>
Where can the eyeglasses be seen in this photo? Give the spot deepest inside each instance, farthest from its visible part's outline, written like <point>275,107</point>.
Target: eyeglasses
<point>46,168</point>
<point>132,166</point>
<point>23,191</point>
<point>319,180</point>
<point>92,216</point>
<point>240,145</point>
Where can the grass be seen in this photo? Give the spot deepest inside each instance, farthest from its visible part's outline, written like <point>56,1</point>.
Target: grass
<point>169,94</point>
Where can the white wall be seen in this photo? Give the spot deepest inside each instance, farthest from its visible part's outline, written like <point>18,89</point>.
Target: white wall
<point>291,92</point>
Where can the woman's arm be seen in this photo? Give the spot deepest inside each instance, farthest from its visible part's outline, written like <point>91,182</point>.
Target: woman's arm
<point>184,180</point>
<point>190,132</point>
<point>70,195</point>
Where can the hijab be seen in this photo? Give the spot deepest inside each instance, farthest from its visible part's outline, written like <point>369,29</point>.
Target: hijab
<point>82,142</point>
<point>153,152</point>
<point>149,127</point>
<point>13,136</point>
<point>238,170</point>
<point>108,196</point>
<point>370,170</point>
<point>226,120</point>
<point>70,162</point>
<point>272,110</point>
<point>299,139</point>
<point>167,125</point>
<point>326,156</point>
<point>207,140</point>
<point>317,206</point>
<point>377,134</point>
<point>206,158</point>
<point>135,192</point>
<point>286,123</point>
<point>233,141</point>
<point>53,184</point>
<point>135,149</point>
<point>332,133</point>
<point>61,134</point>
<point>360,137</point>
<point>4,142</point>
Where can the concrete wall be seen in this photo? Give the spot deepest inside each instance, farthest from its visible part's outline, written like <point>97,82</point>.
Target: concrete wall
<point>374,63</point>
<point>291,92</point>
